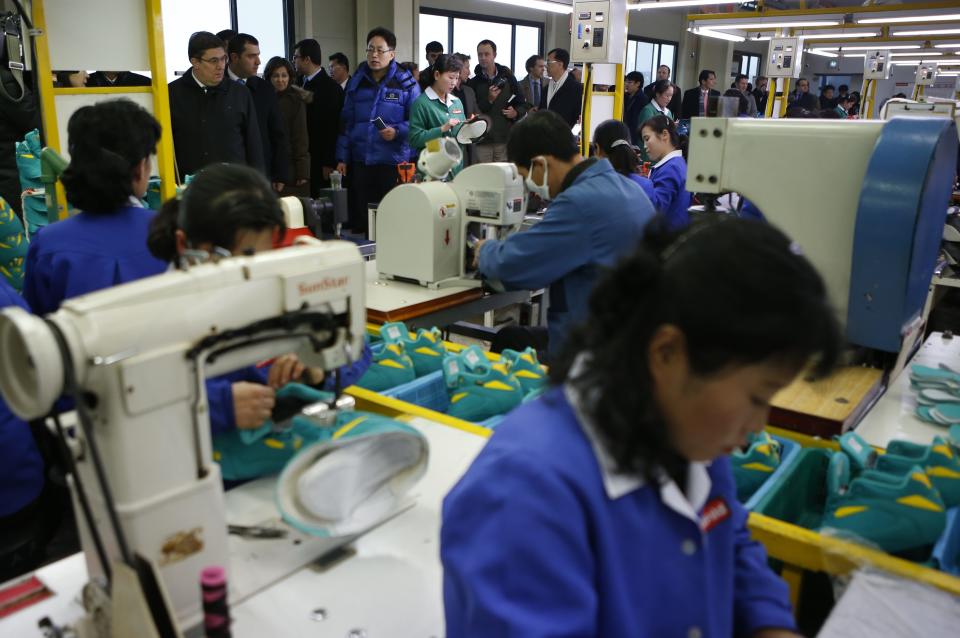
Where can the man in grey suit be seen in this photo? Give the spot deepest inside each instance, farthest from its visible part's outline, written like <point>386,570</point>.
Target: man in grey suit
<point>536,75</point>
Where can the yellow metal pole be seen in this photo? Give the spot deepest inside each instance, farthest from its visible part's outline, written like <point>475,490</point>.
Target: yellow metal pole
<point>585,118</point>
<point>618,94</point>
<point>786,97</point>
<point>161,99</point>
<point>771,98</point>
<point>44,80</point>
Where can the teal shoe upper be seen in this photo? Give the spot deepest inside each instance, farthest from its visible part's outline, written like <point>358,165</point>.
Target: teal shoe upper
<point>479,389</point>
<point>939,460</point>
<point>426,350</point>
<point>389,367</point>
<point>526,368</point>
<point>753,466</point>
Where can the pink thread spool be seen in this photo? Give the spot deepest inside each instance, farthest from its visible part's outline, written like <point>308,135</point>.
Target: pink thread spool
<point>216,612</point>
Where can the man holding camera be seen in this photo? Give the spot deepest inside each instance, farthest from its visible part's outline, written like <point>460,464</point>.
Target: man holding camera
<point>499,98</point>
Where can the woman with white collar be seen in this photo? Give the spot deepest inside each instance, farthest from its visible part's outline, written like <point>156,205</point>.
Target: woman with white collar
<point>669,175</point>
<point>438,112</point>
<point>662,94</point>
<point>607,507</point>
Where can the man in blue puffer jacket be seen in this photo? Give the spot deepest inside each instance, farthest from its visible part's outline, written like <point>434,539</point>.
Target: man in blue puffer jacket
<point>374,124</point>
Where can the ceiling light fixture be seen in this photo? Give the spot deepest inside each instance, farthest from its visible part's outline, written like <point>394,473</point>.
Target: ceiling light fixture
<point>928,32</point>
<point>709,33</point>
<point>825,54</point>
<point>952,45</point>
<point>878,47</point>
<point>838,35</point>
<point>923,18</point>
<point>542,5</point>
<point>753,26</point>
<point>667,4</point>
<point>922,54</point>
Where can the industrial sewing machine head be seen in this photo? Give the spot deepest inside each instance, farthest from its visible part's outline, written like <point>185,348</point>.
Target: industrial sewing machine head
<point>865,200</point>
<point>135,357</point>
<point>425,231</point>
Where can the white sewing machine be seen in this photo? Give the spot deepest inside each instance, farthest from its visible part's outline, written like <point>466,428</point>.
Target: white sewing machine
<point>424,231</point>
<point>138,355</point>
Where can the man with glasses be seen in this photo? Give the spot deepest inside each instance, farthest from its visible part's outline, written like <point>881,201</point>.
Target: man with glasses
<point>374,122</point>
<point>213,119</point>
<point>495,85</point>
<point>565,93</point>
<point>323,112</point>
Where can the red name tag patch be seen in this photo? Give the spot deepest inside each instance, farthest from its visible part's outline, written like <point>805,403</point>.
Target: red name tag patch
<point>714,513</point>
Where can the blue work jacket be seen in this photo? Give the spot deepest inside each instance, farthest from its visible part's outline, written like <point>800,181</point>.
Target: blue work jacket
<point>592,223</point>
<point>541,539</point>
<point>391,99</point>
<point>85,253</point>
<point>21,466</point>
<point>668,190</point>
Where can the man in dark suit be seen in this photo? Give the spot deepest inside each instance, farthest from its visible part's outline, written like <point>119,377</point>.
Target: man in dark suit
<point>213,119</point>
<point>117,78</point>
<point>535,84</point>
<point>244,52</point>
<point>634,99</point>
<point>663,73</point>
<point>564,94</point>
<point>695,100</point>
<point>323,113</point>
<point>433,50</point>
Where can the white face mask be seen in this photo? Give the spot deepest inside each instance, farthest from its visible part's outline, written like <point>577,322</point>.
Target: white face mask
<point>542,190</point>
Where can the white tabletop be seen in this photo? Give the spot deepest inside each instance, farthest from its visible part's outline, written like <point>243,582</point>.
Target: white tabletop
<point>894,415</point>
<point>386,295</point>
<point>392,586</point>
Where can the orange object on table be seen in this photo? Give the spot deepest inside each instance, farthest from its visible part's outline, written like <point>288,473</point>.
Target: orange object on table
<point>407,172</point>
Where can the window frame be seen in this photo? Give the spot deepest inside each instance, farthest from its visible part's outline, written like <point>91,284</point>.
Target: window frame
<point>746,55</point>
<point>659,48</point>
<point>450,15</point>
<point>289,24</point>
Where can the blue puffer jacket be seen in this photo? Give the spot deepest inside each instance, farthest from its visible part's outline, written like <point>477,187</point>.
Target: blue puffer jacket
<point>366,100</point>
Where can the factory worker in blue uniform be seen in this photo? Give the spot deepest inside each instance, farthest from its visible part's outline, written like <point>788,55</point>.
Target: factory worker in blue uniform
<point>594,217</point>
<point>105,244</point>
<point>668,177</point>
<point>607,507</point>
<point>228,210</point>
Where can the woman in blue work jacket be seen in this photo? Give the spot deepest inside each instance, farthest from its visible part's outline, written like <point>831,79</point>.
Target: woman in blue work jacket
<point>668,177</point>
<point>607,508</point>
<point>228,210</point>
<point>104,245</point>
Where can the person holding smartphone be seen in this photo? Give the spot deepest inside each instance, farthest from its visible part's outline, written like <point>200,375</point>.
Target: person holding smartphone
<point>495,85</point>
<point>437,112</point>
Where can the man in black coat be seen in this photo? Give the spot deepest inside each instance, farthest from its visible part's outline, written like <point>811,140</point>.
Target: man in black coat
<point>695,100</point>
<point>564,94</point>
<point>213,119</point>
<point>117,78</point>
<point>663,73</point>
<point>323,113</point>
<point>244,52</point>
<point>634,99</point>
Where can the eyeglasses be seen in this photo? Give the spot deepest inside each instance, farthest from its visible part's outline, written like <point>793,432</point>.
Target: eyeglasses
<point>215,61</point>
<point>376,51</point>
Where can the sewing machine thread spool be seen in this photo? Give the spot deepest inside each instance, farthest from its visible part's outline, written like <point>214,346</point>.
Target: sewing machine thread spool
<point>216,612</point>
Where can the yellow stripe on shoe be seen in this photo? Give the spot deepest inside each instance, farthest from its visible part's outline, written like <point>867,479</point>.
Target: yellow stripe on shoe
<point>920,477</point>
<point>349,426</point>
<point>943,450</point>
<point>390,363</point>
<point>939,471</point>
<point>457,397</point>
<point>919,502</point>
<point>849,510</point>
<point>498,385</point>
<point>527,374</point>
<point>759,467</point>
<point>428,351</point>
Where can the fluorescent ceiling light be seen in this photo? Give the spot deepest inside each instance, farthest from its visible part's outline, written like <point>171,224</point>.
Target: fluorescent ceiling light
<point>709,33</point>
<point>929,32</point>
<point>878,47</point>
<point>924,18</point>
<point>838,35</point>
<point>923,54</point>
<point>542,5</point>
<point>761,38</point>
<point>666,4</point>
<point>825,54</point>
<point>854,55</point>
<point>954,45</point>
<point>753,26</point>
<point>905,62</point>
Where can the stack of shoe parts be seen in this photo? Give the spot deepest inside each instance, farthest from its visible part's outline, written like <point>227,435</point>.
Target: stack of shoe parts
<point>896,500</point>
<point>938,394</point>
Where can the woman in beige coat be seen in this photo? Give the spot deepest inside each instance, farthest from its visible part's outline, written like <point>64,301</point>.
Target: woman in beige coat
<point>293,108</point>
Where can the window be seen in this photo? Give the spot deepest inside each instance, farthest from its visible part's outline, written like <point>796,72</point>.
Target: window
<point>746,63</point>
<point>646,55</point>
<point>267,20</point>
<point>460,33</point>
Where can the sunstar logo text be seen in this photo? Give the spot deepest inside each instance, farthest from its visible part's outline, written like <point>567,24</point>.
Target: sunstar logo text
<point>715,512</point>
<point>327,283</point>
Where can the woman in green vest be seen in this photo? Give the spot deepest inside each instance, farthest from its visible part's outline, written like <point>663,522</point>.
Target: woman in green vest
<point>437,112</point>
<point>662,94</point>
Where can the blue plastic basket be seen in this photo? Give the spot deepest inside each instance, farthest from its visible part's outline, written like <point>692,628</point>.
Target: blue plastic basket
<point>789,451</point>
<point>946,553</point>
<point>428,392</point>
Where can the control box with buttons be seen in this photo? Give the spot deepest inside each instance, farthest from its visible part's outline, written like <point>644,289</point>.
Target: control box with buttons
<point>927,74</point>
<point>599,32</point>
<point>783,59</point>
<point>876,65</point>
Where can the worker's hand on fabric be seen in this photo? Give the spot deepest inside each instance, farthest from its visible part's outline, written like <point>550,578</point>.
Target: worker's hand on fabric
<point>341,168</point>
<point>389,133</point>
<point>278,186</point>
<point>252,404</point>
<point>776,633</point>
<point>476,253</point>
<point>493,93</point>
<point>285,369</point>
<point>510,113</point>
<point>449,124</point>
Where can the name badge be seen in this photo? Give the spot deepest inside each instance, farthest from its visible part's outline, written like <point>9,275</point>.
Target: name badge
<point>714,513</point>
<point>391,96</point>
<point>457,111</point>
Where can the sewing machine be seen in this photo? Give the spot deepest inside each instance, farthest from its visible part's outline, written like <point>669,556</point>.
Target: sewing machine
<point>425,231</point>
<point>134,358</point>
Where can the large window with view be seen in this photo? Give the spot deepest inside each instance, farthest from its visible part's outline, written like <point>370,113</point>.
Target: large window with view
<point>460,32</point>
<point>646,55</point>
